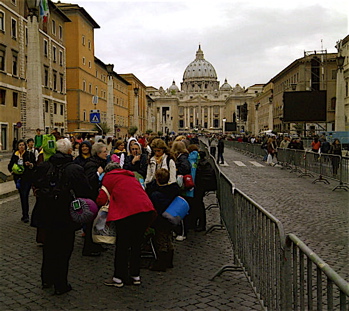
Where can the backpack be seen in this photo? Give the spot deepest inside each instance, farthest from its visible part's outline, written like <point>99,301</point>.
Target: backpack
<point>205,176</point>
<point>48,145</point>
<point>53,185</point>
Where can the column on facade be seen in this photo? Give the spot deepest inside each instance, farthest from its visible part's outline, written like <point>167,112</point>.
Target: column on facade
<point>221,116</point>
<point>188,117</point>
<point>35,110</point>
<point>136,111</point>
<point>256,127</point>
<point>209,117</point>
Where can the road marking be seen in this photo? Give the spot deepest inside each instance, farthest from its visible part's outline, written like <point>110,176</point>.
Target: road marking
<point>256,164</point>
<point>239,163</point>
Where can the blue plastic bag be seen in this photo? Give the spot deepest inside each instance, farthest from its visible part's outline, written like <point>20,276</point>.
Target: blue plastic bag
<point>176,211</point>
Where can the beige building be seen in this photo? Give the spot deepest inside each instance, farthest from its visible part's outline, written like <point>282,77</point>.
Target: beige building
<point>316,71</point>
<point>201,104</point>
<point>32,69</point>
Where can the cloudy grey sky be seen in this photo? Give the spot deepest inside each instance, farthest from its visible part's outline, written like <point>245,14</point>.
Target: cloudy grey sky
<point>247,41</point>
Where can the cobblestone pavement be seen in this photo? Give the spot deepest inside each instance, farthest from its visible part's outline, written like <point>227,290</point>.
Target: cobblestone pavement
<point>185,287</point>
<point>315,213</point>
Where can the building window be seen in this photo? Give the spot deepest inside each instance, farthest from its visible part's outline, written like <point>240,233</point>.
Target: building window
<point>61,82</point>
<point>84,60</point>
<point>334,74</point>
<point>14,2</point>
<point>45,48</point>
<point>89,64</point>
<point>90,88</point>
<point>83,40</point>
<point>61,58</point>
<point>53,27</point>
<point>45,76</point>
<point>333,103</point>
<point>14,28</point>
<point>84,115</point>
<point>89,44</point>
<point>215,123</point>
<point>15,64</point>
<point>97,90</point>
<point>2,58</point>
<point>2,21</point>
<point>346,89</point>
<point>46,106</point>
<point>55,80</point>
<point>54,108</point>
<point>2,97</point>
<point>26,35</point>
<point>84,85</point>
<point>60,32</point>
<point>62,109</point>
<point>181,123</point>
<point>15,99</point>
<point>54,54</point>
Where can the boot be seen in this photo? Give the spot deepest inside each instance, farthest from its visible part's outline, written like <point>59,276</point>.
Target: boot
<point>160,263</point>
<point>169,259</point>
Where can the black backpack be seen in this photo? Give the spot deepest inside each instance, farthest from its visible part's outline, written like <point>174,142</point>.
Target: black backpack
<point>205,176</point>
<point>54,184</point>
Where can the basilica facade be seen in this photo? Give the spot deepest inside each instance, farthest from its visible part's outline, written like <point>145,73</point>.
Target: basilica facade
<point>201,104</point>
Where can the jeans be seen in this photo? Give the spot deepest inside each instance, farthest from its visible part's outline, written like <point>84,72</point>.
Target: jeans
<point>24,191</point>
<point>220,157</point>
<point>213,151</point>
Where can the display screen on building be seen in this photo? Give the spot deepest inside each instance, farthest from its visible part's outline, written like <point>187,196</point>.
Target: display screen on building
<point>305,106</point>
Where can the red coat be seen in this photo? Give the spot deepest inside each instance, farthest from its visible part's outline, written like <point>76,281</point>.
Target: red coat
<point>127,196</point>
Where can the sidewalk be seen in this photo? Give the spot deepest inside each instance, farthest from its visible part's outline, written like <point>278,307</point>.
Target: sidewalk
<point>185,287</point>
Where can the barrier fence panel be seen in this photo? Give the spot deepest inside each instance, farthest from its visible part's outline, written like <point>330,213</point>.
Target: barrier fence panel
<point>315,286</point>
<point>284,273</point>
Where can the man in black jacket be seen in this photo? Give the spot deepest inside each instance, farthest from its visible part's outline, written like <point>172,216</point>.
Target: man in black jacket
<point>53,211</point>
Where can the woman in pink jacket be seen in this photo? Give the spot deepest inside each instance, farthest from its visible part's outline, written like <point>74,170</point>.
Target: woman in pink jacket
<point>132,211</point>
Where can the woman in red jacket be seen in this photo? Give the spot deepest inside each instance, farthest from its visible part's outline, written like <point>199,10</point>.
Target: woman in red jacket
<point>132,211</point>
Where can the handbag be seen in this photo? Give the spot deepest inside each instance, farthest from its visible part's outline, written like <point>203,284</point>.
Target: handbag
<point>18,169</point>
<point>188,181</point>
<point>176,211</point>
<point>104,231</point>
<point>82,210</point>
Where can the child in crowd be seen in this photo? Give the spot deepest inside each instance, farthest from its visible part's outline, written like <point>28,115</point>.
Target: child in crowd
<point>162,197</point>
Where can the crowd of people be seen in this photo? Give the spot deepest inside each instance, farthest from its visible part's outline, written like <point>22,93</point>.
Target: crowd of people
<point>137,177</point>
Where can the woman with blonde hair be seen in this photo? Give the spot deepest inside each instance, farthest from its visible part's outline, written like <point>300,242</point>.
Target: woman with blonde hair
<point>159,158</point>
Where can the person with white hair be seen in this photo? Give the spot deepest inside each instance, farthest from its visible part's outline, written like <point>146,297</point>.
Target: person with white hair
<point>54,182</point>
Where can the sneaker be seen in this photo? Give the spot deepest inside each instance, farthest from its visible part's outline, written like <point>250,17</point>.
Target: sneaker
<point>136,280</point>
<point>181,237</point>
<point>114,282</point>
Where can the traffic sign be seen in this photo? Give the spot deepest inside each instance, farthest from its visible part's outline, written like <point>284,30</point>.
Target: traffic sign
<point>95,117</point>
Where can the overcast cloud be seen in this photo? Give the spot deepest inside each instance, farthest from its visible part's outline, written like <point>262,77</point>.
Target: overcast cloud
<point>247,42</point>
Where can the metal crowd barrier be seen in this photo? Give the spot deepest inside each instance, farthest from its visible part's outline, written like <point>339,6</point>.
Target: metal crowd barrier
<point>326,166</point>
<point>274,263</point>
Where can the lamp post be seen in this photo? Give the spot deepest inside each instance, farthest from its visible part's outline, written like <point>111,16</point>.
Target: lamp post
<point>136,108</point>
<point>340,92</point>
<point>34,102</point>
<point>110,98</point>
<point>224,120</point>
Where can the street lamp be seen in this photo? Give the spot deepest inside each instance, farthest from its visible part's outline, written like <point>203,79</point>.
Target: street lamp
<point>224,120</point>
<point>110,68</point>
<point>340,61</point>
<point>33,7</point>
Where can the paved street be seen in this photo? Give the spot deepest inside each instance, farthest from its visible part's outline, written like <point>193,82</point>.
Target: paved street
<point>315,213</point>
<point>185,287</point>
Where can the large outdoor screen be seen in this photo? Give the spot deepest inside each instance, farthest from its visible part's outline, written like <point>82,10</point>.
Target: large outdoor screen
<point>230,126</point>
<point>305,106</point>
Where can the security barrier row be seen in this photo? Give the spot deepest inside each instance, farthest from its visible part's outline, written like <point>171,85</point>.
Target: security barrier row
<point>323,167</point>
<point>284,273</point>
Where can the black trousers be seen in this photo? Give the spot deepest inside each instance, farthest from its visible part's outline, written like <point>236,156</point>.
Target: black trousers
<point>130,235</point>
<point>57,250</point>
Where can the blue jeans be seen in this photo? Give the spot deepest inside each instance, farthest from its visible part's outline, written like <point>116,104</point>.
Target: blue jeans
<point>24,191</point>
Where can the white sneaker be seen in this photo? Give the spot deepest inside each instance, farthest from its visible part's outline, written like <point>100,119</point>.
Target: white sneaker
<point>136,280</point>
<point>180,237</point>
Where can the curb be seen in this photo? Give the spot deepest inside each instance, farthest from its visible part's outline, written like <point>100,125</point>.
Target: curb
<point>8,194</point>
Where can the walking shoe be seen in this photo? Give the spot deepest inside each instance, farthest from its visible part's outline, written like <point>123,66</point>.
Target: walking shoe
<point>64,290</point>
<point>136,280</point>
<point>114,282</point>
<point>180,237</point>
<point>25,219</point>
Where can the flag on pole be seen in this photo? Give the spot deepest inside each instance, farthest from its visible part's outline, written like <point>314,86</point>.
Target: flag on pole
<point>44,11</point>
